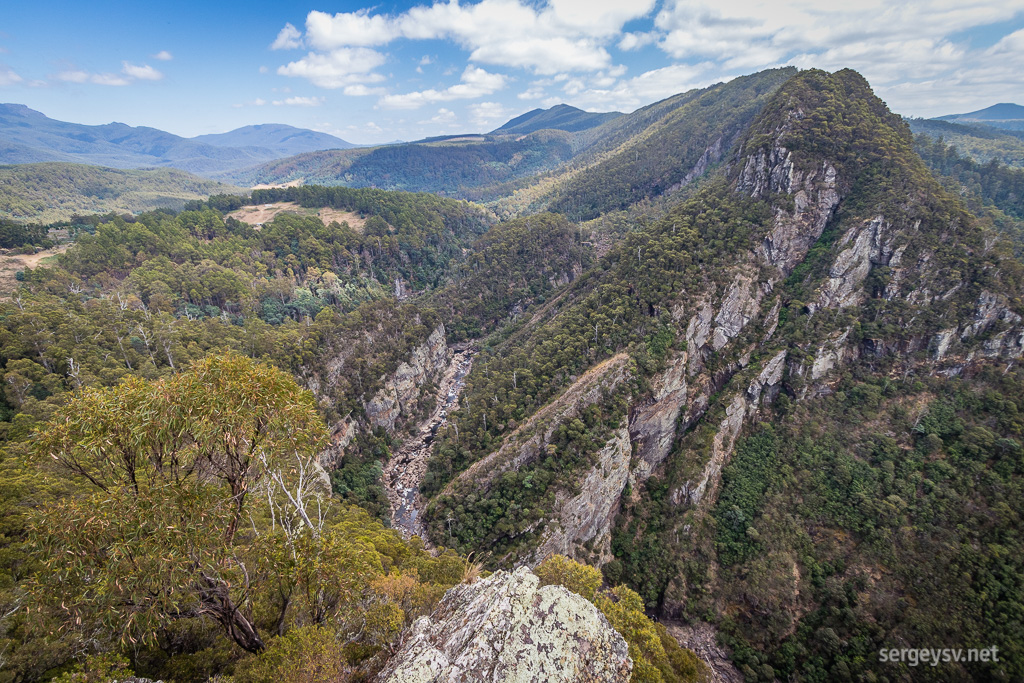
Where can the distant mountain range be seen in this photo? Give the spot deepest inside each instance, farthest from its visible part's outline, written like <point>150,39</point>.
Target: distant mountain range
<point>28,136</point>
<point>1004,115</point>
<point>581,163</point>
<point>558,117</point>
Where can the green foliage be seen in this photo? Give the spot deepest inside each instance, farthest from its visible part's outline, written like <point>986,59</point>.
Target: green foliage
<point>577,577</point>
<point>856,517</point>
<point>454,166</point>
<point>14,234</point>
<point>308,653</point>
<point>515,265</point>
<point>53,191</point>
<point>754,468</point>
<point>658,160</point>
<point>199,501</point>
<point>101,668</point>
<point>657,656</point>
<point>978,142</point>
<point>170,465</point>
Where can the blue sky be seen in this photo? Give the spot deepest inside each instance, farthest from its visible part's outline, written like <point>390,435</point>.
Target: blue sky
<point>408,70</point>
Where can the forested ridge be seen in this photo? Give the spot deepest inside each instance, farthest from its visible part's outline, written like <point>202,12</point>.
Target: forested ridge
<point>52,191</point>
<point>753,371</point>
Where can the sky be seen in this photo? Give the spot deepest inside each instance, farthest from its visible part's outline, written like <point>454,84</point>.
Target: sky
<point>408,70</point>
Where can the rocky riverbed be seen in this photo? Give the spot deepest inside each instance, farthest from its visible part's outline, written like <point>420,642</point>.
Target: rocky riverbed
<point>405,469</point>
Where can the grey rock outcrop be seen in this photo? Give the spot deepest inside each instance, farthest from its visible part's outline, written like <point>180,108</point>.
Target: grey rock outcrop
<point>401,391</point>
<point>508,628</point>
<point>590,514</point>
<point>400,397</point>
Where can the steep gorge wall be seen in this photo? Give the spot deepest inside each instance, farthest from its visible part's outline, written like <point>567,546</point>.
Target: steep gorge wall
<point>399,399</point>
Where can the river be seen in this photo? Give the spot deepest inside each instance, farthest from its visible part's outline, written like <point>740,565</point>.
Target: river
<point>405,469</point>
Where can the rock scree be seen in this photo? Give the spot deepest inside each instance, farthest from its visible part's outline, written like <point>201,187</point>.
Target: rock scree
<point>508,628</point>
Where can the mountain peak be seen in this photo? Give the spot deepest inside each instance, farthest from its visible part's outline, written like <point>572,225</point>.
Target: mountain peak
<point>559,117</point>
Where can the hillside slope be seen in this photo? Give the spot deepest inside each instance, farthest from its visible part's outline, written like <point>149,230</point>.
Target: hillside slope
<point>569,170</point>
<point>730,411</point>
<point>54,191</point>
<point>979,142</point>
<point>559,117</point>
<point>282,140</point>
<point>1003,115</point>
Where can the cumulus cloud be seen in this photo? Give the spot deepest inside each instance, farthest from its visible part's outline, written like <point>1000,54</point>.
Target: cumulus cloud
<point>914,54</point>
<point>535,92</point>
<point>300,102</point>
<point>360,90</point>
<point>630,93</point>
<point>163,56</point>
<point>565,35</point>
<point>142,72</point>
<point>475,82</point>
<point>443,117</point>
<point>338,68</point>
<point>288,38</point>
<point>8,76</point>
<point>326,32</point>
<point>485,113</point>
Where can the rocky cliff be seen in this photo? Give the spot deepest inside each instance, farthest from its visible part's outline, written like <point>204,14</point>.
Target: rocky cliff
<point>400,398</point>
<point>508,628</point>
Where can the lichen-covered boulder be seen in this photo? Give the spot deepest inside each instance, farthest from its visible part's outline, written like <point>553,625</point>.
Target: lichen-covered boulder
<point>508,628</point>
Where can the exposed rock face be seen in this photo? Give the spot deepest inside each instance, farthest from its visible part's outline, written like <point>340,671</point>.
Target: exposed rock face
<point>401,392</point>
<point>508,628</point>
<point>399,398</point>
<point>590,514</point>
<point>762,389</point>
<point>653,423</point>
<point>680,399</point>
<point>815,198</point>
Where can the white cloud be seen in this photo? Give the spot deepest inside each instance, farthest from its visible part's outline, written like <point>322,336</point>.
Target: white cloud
<point>130,73</point>
<point>288,38</point>
<point>544,55</point>
<point>73,76</point>
<point>109,79</point>
<point>300,102</point>
<point>79,76</point>
<point>360,90</point>
<point>143,73</point>
<point>442,117</point>
<point>326,32</point>
<point>914,53</point>
<point>163,56</point>
<point>751,35</point>
<point>564,35</point>
<point>637,40</point>
<point>425,60</point>
<point>338,68</point>
<point>648,87</point>
<point>475,82</point>
<point>484,113</point>
<point>9,77</point>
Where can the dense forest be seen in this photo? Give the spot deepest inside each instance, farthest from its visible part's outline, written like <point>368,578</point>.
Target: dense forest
<point>744,362</point>
<point>53,191</point>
